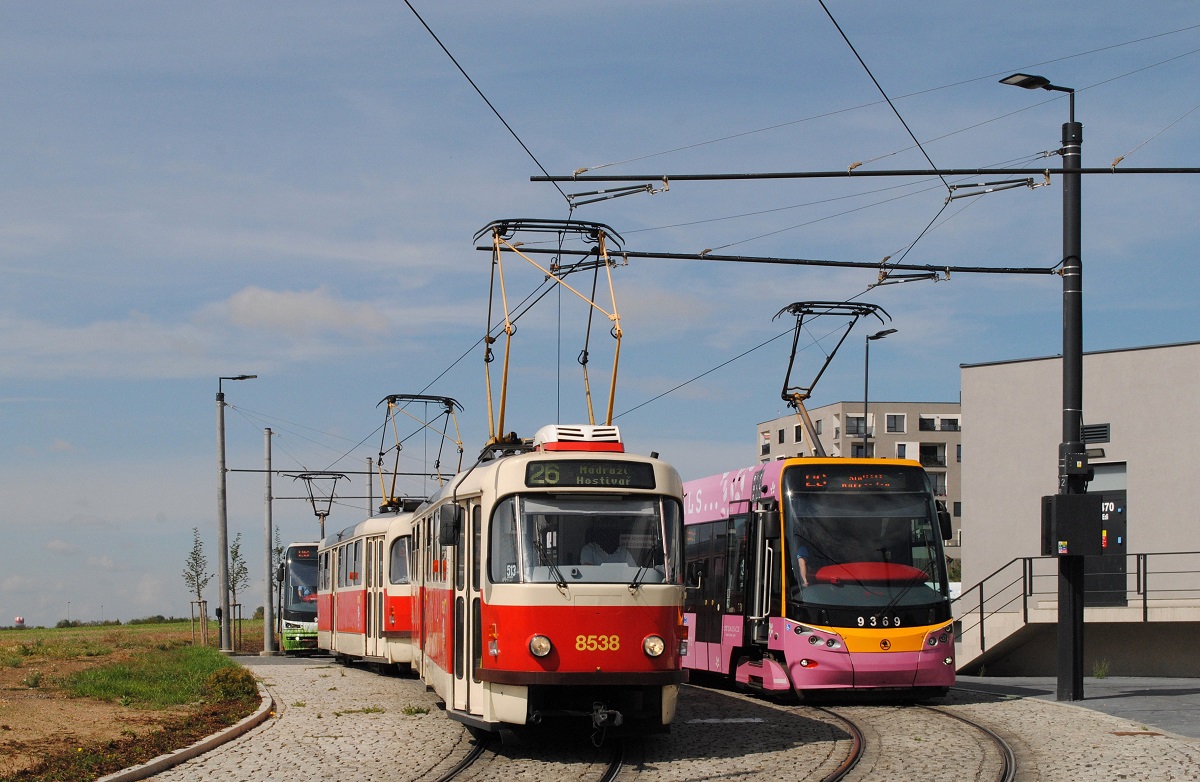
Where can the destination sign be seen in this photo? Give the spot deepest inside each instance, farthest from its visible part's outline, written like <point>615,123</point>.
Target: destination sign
<point>855,478</point>
<point>549,474</point>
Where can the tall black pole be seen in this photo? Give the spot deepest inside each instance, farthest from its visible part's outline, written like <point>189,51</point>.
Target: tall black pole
<point>866,375</point>
<point>1070,568</point>
<point>222,529</point>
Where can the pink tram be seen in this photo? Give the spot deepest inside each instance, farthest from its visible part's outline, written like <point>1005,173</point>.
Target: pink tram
<point>819,575</point>
<point>544,581</point>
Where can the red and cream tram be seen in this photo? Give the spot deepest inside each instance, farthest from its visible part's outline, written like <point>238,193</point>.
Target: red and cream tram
<point>544,582</point>
<point>364,591</point>
<point>550,585</point>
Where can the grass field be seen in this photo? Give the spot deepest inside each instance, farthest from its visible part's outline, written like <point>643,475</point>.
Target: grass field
<point>81,702</point>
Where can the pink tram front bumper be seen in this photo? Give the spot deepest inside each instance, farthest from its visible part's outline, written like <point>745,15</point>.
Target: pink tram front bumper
<point>816,658</point>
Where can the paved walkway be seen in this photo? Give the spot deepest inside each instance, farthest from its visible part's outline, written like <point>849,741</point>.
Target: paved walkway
<point>337,722</point>
<point>1171,705</point>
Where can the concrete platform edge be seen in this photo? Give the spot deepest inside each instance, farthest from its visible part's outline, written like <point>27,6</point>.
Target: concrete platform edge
<point>163,762</point>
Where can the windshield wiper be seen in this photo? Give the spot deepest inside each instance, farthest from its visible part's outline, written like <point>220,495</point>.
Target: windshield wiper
<point>545,560</point>
<point>635,584</point>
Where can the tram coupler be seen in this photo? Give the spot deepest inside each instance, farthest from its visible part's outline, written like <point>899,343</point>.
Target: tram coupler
<point>605,718</point>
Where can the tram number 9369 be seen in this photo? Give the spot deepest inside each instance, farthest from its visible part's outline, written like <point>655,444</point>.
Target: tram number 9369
<point>879,621</point>
<point>597,643</point>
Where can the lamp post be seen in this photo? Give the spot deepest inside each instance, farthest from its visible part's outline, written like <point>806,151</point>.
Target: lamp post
<point>1072,457</point>
<point>223,517</point>
<point>866,376</point>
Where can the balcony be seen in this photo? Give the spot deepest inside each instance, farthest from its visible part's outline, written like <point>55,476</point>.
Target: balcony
<point>933,461</point>
<point>949,426</point>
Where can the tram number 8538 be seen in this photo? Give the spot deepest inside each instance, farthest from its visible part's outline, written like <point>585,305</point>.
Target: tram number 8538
<point>879,621</point>
<point>597,643</point>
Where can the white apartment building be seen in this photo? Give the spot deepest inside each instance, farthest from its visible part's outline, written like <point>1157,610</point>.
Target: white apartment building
<point>928,432</point>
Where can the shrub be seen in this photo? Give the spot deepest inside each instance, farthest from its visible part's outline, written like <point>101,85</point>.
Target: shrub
<point>231,684</point>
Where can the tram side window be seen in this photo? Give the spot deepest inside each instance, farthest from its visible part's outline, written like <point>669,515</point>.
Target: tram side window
<point>355,574</point>
<point>398,561</point>
<point>735,586</point>
<point>342,562</point>
<point>503,544</point>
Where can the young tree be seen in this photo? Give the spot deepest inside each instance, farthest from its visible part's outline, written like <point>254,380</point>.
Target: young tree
<point>239,574</point>
<point>195,568</point>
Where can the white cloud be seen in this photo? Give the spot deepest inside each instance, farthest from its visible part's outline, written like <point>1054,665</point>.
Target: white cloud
<point>61,547</point>
<point>292,313</point>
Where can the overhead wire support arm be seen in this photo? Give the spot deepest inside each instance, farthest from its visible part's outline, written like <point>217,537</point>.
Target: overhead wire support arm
<point>708,256</point>
<point>854,174</point>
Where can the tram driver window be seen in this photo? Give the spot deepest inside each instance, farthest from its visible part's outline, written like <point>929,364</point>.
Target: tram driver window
<point>504,565</point>
<point>398,567</point>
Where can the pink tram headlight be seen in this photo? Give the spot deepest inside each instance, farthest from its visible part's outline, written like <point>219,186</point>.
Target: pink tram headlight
<point>540,646</point>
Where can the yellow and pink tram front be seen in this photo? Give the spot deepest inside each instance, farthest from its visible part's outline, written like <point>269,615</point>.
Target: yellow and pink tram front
<point>819,575</point>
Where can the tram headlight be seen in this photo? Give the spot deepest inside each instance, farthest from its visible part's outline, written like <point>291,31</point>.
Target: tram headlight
<point>653,646</point>
<point>540,646</point>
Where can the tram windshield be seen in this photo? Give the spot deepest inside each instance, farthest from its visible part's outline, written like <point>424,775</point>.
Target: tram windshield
<point>300,586</point>
<point>562,539</point>
<point>862,536</point>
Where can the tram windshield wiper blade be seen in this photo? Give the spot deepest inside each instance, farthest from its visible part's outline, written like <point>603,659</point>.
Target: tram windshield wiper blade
<point>544,558</point>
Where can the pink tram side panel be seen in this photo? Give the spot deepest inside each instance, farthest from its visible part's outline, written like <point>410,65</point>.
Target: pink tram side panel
<point>717,496</point>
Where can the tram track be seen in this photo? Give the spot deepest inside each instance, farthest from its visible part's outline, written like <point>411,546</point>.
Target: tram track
<point>540,761</point>
<point>889,742</point>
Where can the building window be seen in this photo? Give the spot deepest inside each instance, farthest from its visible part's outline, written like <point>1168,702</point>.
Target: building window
<point>858,452</point>
<point>926,424</point>
<point>766,449</point>
<point>799,433</point>
<point>817,426</point>
<point>895,424</point>
<point>957,509</point>
<point>933,455</point>
<point>781,431</point>
<point>939,483</point>
<point>856,424</point>
<point>958,453</point>
<point>901,450</point>
<point>949,424</point>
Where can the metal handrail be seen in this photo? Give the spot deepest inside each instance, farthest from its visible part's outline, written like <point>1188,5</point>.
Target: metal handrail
<point>981,601</point>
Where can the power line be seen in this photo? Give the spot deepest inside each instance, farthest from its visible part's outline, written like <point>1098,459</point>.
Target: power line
<point>481,95</point>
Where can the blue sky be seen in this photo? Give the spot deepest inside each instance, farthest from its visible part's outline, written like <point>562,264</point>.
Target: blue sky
<point>195,190</point>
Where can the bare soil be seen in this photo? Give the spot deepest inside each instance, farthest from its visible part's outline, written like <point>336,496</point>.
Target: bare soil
<point>44,730</point>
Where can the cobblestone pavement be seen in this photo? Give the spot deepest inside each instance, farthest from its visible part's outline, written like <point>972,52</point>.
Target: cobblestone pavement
<point>335,722</point>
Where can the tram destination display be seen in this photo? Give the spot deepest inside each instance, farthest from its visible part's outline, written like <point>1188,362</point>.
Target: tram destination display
<point>549,474</point>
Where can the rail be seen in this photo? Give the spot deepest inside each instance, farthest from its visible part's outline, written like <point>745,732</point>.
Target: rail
<point>1159,579</point>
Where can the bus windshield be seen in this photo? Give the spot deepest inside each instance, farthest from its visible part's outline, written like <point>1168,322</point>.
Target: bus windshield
<point>863,540</point>
<point>300,589</point>
<point>565,539</point>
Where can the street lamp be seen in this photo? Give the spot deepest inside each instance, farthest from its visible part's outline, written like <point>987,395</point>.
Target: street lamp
<point>866,375</point>
<point>223,517</point>
<point>1072,457</point>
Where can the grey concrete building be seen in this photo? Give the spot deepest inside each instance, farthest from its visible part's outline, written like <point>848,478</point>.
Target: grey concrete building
<point>928,432</point>
<point>1140,417</point>
<point>1136,404</point>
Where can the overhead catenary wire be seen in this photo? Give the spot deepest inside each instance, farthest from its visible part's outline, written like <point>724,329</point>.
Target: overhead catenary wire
<point>882,92</point>
<point>475,86</point>
<point>905,96</point>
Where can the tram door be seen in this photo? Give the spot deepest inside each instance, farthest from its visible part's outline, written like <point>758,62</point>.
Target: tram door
<point>375,596</point>
<point>468,690</point>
